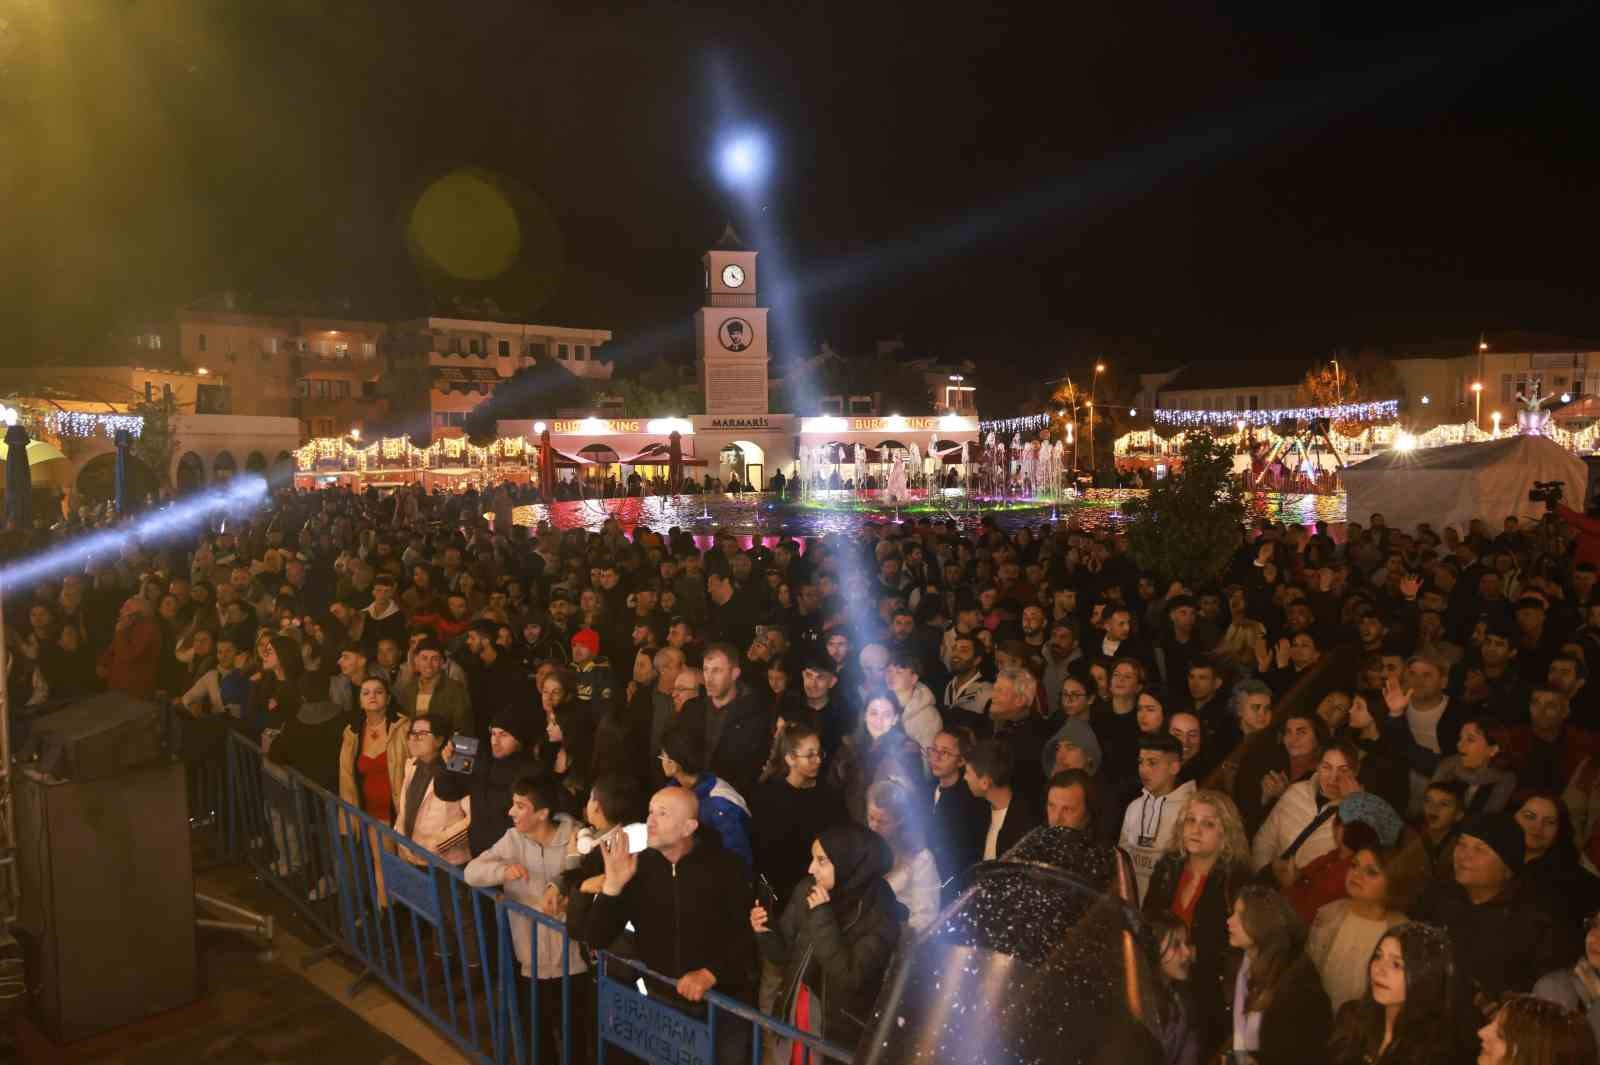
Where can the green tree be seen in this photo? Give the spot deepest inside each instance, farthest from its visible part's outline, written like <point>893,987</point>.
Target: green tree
<point>1189,525</point>
<point>157,441</point>
<point>660,391</point>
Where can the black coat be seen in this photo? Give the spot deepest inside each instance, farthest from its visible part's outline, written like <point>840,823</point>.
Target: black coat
<point>1298,1021</point>
<point>489,786</point>
<point>1209,933</point>
<point>744,742</point>
<point>695,915</point>
<point>841,957</point>
<point>1502,945</point>
<point>957,824</point>
<point>1021,819</point>
<point>783,822</point>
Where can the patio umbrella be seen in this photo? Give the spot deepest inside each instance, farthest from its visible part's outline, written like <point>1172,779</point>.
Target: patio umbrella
<point>19,481</point>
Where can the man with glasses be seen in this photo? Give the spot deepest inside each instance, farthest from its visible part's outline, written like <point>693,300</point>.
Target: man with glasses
<point>957,819</point>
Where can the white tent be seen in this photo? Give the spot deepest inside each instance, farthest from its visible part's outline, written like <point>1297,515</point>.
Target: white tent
<point>1452,485</point>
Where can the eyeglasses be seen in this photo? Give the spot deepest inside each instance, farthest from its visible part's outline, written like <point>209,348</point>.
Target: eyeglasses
<point>807,756</point>
<point>942,752</point>
<point>419,735</point>
<point>1070,694</point>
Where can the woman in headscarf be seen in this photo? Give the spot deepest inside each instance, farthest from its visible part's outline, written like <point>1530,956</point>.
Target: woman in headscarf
<point>835,938</point>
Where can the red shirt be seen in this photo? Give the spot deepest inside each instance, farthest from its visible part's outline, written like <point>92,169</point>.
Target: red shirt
<point>130,660</point>
<point>1179,910</point>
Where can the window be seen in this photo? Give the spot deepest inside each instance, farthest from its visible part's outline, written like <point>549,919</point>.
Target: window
<point>212,399</point>
<point>1510,382</point>
<point>166,393</point>
<point>1255,402</point>
<point>537,349</point>
<point>369,348</point>
<point>578,352</point>
<point>474,346</point>
<point>149,392</point>
<point>341,390</point>
<point>227,343</point>
<point>302,388</point>
<point>201,340</point>
<point>269,345</point>
<point>561,351</point>
<point>369,390</point>
<point>504,347</point>
<point>341,348</point>
<point>1238,403</point>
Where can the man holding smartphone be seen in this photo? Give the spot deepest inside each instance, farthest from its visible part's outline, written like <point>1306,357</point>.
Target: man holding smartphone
<point>689,901</point>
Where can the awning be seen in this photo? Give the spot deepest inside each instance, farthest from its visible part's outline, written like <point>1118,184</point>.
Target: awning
<point>1584,408</point>
<point>38,452</point>
<point>657,455</point>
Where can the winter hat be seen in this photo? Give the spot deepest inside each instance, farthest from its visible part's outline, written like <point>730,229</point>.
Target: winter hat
<point>1369,809</point>
<point>520,724</point>
<point>1078,733</point>
<point>1501,833</point>
<point>587,638</point>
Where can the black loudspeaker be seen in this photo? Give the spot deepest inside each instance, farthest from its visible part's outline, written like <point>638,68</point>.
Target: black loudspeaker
<point>107,913</point>
<point>95,737</point>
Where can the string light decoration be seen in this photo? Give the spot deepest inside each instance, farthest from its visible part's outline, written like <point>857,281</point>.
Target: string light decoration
<point>1030,423</point>
<point>85,424</point>
<point>1377,411</point>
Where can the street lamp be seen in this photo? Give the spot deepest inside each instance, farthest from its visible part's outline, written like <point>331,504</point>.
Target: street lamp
<point>1091,431</point>
<point>1477,402</point>
<point>355,434</point>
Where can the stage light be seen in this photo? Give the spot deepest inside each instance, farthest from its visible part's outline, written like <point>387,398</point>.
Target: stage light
<point>744,159</point>
<point>539,427</point>
<point>1133,412</point>
<point>1425,401</point>
<point>1566,397</point>
<point>1405,442</point>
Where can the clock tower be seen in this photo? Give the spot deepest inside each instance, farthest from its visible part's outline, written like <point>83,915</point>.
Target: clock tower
<point>730,334</point>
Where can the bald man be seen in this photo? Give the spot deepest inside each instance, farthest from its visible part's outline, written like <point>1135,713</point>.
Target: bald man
<point>689,902</point>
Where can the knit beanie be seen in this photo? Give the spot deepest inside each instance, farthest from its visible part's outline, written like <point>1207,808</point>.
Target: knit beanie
<point>1501,833</point>
<point>587,638</point>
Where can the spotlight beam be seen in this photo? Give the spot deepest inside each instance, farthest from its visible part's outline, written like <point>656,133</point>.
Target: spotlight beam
<point>243,490</point>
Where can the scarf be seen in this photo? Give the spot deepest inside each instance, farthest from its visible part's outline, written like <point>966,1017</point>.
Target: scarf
<point>421,778</point>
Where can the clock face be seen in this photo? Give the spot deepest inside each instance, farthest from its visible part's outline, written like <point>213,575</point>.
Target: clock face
<point>733,275</point>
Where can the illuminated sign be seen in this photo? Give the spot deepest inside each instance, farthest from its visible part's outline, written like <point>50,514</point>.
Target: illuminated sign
<point>739,423</point>
<point>611,426</point>
<point>893,423</point>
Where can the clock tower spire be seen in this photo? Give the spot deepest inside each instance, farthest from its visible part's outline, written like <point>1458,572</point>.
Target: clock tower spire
<point>731,331</point>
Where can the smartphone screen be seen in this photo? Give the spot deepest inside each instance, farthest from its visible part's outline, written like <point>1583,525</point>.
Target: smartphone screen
<point>638,837</point>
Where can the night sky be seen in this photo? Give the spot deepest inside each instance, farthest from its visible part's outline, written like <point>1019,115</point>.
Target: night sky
<point>1151,182</point>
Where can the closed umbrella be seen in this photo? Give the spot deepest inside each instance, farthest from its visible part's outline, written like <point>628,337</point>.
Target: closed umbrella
<point>675,461</point>
<point>19,481</point>
<point>547,468</point>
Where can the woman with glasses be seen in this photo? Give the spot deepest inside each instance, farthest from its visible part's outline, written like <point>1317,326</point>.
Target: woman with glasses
<point>788,810</point>
<point>435,824</point>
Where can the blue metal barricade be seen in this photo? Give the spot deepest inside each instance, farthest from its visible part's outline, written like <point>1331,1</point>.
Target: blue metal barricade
<point>275,824</point>
<point>653,1026</point>
<point>449,950</point>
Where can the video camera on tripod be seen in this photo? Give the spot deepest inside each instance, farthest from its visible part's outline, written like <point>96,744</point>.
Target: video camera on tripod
<point>1547,492</point>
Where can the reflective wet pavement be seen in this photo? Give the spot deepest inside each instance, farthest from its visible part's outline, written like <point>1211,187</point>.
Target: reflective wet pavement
<point>752,515</point>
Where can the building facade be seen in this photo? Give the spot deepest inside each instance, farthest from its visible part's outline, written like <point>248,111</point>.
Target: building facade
<point>444,367</point>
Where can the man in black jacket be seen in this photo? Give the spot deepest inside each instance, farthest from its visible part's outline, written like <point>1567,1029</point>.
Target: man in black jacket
<point>689,903</point>
<point>511,738</point>
<point>988,775</point>
<point>495,679</point>
<point>738,726</point>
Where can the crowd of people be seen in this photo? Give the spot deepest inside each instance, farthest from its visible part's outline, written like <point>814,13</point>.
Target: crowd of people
<point>1357,779</point>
